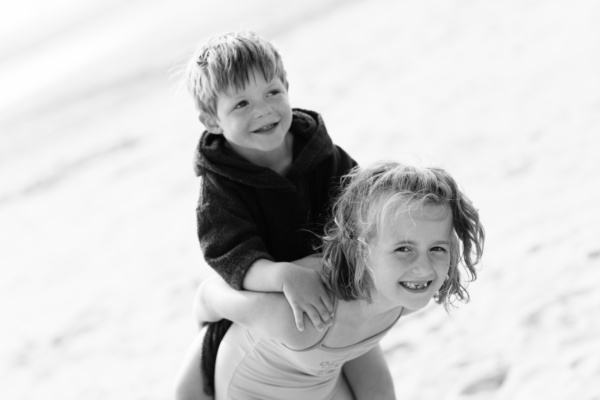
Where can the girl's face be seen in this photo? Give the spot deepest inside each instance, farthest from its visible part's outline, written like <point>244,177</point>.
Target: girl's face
<point>410,256</point>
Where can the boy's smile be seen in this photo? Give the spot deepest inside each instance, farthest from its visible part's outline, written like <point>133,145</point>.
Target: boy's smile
<point>265,128</point>
<point>255,120</point>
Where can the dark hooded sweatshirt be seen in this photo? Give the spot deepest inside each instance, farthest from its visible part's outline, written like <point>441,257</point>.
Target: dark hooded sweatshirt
<point>247,212</point>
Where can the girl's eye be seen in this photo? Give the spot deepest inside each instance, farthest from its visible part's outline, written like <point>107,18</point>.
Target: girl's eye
<point>438,248</point>
<point>403,249</point>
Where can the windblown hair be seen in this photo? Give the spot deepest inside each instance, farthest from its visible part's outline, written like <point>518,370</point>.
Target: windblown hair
<point>227,62</point>
<point>368,197</point>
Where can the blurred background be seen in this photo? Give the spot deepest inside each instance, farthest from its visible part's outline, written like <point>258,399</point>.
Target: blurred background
<point>98,252</point>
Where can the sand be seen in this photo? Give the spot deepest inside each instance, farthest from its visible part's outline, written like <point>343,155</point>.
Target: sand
<point>99,258</point>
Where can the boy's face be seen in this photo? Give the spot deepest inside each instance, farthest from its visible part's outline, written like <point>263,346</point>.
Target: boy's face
<point>255,120</point>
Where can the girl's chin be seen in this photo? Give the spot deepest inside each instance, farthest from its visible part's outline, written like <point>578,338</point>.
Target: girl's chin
<point>414,307</point>
<point>416,299</point>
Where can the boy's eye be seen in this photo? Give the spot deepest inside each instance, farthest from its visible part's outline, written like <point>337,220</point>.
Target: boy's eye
<point>241,104</point>
<point>403,249</point>
<point>274,92</point>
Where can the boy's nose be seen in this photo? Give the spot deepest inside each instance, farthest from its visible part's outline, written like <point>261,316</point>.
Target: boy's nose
<point>262,109</point>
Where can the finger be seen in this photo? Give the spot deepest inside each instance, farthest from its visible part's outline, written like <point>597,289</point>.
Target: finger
<point>324,314</point>
<point>328,296</point>
<point>328,303</point>
<point>299,318</point>
<point>315,318</point>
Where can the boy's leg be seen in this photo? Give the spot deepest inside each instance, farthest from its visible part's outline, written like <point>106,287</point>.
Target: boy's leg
<point>190,384</point>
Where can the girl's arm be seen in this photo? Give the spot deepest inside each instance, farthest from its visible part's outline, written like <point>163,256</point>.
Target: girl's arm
<point>369,376</point>
<point>268,314</point>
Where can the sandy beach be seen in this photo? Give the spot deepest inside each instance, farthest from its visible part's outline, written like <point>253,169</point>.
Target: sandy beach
<point>99,258</point>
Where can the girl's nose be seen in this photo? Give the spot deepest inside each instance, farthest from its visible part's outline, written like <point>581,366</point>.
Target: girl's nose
<point>422,267</point>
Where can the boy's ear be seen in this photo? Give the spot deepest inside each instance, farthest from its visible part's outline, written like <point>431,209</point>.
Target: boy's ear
<point>211,123</point>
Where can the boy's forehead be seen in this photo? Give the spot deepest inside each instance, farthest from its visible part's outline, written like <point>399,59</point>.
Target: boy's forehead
<point>231,91</point>
<point>238,82</point>
<point>236,85</point>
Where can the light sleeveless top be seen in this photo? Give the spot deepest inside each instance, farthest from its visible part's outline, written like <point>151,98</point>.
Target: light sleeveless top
<point>251,367</point>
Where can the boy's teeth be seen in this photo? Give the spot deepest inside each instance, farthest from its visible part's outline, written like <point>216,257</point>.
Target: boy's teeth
<point>265,128</point>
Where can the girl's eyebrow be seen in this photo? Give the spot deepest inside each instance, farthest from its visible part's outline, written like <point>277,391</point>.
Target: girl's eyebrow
<point>413,243</point>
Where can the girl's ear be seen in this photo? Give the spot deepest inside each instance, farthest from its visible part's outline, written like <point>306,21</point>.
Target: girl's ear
<point>211,123</point>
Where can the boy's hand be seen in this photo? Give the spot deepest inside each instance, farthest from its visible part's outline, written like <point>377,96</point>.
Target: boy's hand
<point>306,293</point>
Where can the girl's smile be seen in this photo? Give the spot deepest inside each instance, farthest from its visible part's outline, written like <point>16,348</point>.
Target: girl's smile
<point>410,256</point>
<point>416,287</point>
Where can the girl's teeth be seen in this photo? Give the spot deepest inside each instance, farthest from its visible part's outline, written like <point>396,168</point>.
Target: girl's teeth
<point>412,285</point>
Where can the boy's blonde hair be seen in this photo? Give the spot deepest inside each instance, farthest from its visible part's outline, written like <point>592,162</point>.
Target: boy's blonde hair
<point>225,62</point>
<point>368,198</point>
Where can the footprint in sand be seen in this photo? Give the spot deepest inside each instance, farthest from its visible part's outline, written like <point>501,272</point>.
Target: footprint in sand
<point>489,383</point>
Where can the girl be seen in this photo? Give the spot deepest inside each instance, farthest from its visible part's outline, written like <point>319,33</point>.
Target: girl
<point>396,240</point>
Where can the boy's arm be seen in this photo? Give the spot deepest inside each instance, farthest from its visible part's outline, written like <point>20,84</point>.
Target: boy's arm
<point>301,285</point>
<point>232,246</point>
<point>227,233</point>
<point>369,376</point>
<point>266,313</point>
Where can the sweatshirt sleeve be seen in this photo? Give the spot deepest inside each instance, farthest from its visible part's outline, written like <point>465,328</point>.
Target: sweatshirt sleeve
<point>228,237</point>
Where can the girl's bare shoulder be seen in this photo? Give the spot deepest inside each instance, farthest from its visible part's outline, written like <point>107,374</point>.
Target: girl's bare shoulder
<point>276,321</point>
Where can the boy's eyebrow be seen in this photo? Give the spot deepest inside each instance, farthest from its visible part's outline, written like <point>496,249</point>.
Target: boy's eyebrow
<point>234,94</point>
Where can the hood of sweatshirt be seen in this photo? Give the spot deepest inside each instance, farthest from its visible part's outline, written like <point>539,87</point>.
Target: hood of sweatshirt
<point>312,145</point>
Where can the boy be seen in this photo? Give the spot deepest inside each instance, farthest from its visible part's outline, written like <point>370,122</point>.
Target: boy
<point>268,175</point>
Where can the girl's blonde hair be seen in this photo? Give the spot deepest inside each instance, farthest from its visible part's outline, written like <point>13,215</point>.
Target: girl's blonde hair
<point>225,62</point>
<point>367,198</point>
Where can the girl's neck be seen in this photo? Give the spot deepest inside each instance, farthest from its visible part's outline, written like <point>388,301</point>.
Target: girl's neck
<point>356,321</point>
<point>378,309</point>
<point>359,311</point>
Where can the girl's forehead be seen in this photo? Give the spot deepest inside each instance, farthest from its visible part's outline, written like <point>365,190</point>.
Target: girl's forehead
<point>432,212</point>
<point>411,218</point>
<point>392,208</point>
